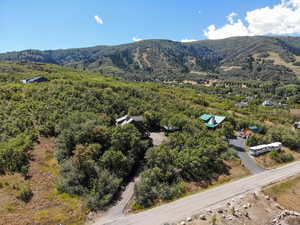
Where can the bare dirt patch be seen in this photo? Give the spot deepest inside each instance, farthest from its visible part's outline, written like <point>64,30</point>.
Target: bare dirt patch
<point>47,207</point>
<point>190,82</point>
<point>286,193</point>
<point>279,61</point>
<point>295,112</point>
<point>158,138</point>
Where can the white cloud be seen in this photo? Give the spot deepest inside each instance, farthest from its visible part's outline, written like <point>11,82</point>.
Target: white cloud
<point>231,16</point>
<point>188,40</point>
<point>98,19</point>
<point>136,39</point>
<point>281,19</point>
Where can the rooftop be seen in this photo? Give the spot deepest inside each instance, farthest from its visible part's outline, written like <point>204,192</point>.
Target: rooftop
<point>212,121</point>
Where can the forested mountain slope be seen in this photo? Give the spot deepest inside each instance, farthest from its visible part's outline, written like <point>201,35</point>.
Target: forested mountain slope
<point>263,58</point>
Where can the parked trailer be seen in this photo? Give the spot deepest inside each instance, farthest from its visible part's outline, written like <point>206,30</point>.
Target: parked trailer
<point>260,149</point>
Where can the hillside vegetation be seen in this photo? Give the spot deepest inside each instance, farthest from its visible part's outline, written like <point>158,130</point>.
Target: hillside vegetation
<point>96,157</point>
<point>164,60</point>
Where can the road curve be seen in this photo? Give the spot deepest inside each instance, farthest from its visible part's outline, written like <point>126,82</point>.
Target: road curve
<point>193,204</point>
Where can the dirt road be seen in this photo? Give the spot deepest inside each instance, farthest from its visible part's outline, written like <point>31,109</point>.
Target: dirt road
<point>174,211</point>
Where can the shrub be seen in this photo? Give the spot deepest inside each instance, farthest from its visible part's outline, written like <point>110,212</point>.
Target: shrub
<point>25,193</point>
<point>281,157</point>
<point>14,154</point>
<point>257,139</point>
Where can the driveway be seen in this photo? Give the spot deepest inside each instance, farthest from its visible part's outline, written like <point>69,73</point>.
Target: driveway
<point>239,145</point>
<point>193,204</point>
<point>158,138</point>
<point>118,209</point>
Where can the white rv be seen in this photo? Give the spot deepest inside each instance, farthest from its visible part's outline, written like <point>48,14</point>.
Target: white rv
<point>260,149</point>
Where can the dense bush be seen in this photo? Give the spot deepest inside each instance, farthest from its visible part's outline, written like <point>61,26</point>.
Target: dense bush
<point>14,154</point>
<point>257,139</point>
<point>281,157</point>
<point>25,193</point>
<point>186,157</point>
<point>99,160</point>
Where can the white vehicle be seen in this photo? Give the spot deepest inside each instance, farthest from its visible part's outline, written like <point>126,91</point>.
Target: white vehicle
<point>260,149</point>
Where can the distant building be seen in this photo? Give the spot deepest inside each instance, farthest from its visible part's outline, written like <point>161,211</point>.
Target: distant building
<point>269,103</point>
<point>170,128</point>
<point>254,129</point>
<point>137,121</point>
<point>212,121</point>
<point>241,104</point>
<point>34,80</point>
<point>247,131</point>
<point>129,119</point>
<point>297,125</point>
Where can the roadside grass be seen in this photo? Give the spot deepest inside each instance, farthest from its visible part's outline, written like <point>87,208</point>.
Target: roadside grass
<point>286,193</point>
<point>47,206</point>
<point>236,171</point>
<point>266,162</point>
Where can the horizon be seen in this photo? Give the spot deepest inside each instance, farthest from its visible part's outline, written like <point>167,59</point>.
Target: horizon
<point>132,42</point>
<point>74,24</point>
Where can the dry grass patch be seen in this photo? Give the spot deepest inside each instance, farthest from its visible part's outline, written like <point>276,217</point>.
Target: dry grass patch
<point>279,61</point>
<point>286,193</point>
<point>295,112</point>
<point>47,206</point>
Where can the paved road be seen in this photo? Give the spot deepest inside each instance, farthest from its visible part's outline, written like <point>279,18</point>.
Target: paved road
<point>239,145</point>
<point>118,209</point>
<point>191,205</point>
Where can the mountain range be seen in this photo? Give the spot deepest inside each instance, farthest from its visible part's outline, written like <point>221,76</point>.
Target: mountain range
<point>251,58</point>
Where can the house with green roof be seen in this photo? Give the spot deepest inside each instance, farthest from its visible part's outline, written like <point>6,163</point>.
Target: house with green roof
<point>212,121</point>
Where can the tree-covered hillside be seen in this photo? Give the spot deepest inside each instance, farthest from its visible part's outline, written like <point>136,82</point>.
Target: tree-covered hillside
<point>263,58</point>
<point>79,108</point>
<point>97,157</point>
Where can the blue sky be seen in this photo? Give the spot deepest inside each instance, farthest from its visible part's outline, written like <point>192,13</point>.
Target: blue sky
<point>54,24</point>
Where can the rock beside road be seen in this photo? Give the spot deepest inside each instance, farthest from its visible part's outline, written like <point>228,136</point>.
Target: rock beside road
<point>252,209</point>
